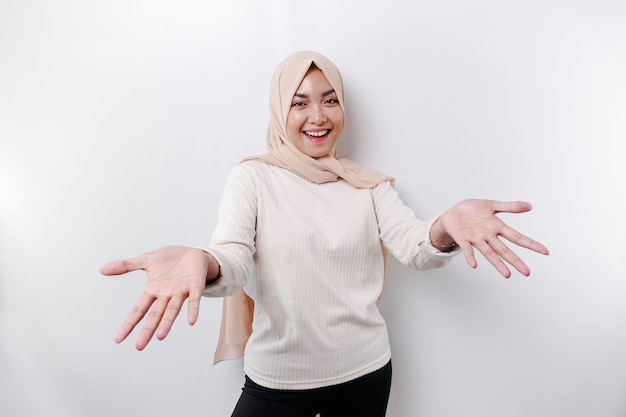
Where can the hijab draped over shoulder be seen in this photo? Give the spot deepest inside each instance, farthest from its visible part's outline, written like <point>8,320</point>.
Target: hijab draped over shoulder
<point>238,308</point>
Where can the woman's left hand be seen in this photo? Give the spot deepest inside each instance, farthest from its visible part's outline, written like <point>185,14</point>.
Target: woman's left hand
<point>474,224</point>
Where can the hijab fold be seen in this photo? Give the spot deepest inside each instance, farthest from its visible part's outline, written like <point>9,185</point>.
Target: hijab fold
<point>237,310</point>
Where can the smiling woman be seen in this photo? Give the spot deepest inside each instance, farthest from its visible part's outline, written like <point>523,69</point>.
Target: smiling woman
<point>120,121</point>
<point>299,255</point>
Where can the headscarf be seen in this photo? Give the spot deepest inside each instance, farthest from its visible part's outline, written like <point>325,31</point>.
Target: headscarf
<point>237,309</point>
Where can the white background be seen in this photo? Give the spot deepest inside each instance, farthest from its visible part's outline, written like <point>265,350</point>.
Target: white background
<point>119,121</point>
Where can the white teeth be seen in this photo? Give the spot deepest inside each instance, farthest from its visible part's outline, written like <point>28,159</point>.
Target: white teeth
<point>317,134</point>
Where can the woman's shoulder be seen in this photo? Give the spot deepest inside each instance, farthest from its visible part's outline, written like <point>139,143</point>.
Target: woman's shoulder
<point>383,186</point>
<point>252,164</point>
<point>254,167</point>
<point>255,171</point>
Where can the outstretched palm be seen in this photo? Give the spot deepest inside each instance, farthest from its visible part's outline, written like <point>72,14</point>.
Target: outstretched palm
<point>474,224</point>
<point>173,274</point>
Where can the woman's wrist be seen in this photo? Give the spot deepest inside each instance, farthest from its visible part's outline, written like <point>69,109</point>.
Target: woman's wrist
<point>214,271</point>
<point>440,239</point>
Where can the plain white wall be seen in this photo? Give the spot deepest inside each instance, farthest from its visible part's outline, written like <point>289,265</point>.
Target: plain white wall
<point>119,121</point>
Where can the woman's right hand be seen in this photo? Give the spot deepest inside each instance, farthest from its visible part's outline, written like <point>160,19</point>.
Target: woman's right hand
<point>173,274</point>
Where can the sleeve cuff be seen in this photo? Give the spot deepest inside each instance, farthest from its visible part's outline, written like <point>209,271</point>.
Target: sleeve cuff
<point>431,249</point>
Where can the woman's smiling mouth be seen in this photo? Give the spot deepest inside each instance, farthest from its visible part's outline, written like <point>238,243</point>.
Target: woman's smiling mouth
<point>317,136</point>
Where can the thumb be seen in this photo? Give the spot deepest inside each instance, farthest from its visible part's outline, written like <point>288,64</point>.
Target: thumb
<point>123,266</point>
<point>512,206</point>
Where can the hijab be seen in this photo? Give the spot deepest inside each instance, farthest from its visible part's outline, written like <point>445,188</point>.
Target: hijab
<point>283,153</point>
<point>237,309</point>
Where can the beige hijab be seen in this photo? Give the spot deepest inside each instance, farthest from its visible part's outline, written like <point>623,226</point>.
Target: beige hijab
<point>238,309</point>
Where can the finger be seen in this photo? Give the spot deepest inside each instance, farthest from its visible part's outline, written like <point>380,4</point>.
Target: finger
<point>493,258</point>
<point>524,241</point>
<point>468,253</point>
<point>153,319</point>
<point>193,305</point>
<point>134,316</point>
<point>511,206</point>
<point>171,312</point>
<point>123,266</point>
<point>506,254</point>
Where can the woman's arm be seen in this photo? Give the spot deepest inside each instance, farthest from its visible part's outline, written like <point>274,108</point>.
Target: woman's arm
<point>467,225</point>
<point>178,273</point>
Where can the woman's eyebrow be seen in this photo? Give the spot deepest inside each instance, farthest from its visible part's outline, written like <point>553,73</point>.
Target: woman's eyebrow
<point>324,94</point>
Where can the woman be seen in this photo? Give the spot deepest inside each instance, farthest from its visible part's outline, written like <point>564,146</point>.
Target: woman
<point>299,253</point>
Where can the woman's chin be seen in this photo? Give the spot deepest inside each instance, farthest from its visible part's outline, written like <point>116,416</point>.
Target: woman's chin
<point>318,149</point>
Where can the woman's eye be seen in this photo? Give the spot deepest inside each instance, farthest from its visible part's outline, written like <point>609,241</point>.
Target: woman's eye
<point>332,101</point>
<point>297,104</point>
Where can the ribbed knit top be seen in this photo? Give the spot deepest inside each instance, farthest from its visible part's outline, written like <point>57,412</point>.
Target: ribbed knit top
<point>310,257</point>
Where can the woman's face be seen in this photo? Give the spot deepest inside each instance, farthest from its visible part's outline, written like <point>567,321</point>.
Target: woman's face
<point>315,120</point>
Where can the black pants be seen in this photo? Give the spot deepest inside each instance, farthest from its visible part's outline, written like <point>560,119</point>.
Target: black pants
<point>366,396</point>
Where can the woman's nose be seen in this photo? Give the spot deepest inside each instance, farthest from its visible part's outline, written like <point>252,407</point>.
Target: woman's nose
<point>317,114</point>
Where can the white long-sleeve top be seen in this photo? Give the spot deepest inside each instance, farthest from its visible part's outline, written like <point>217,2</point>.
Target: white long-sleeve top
<point>310,257</point>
